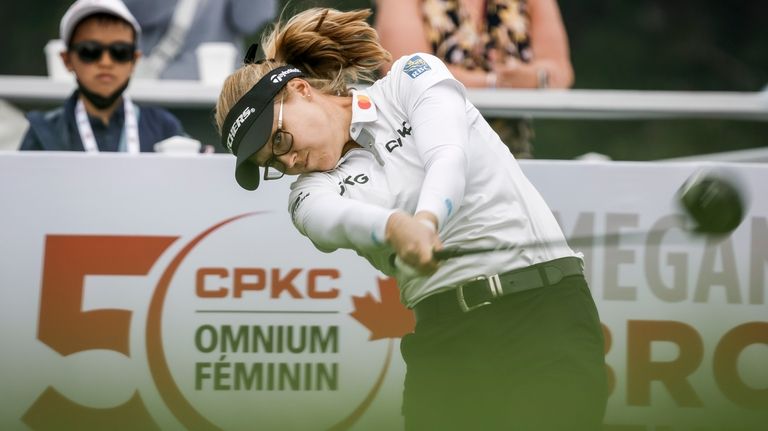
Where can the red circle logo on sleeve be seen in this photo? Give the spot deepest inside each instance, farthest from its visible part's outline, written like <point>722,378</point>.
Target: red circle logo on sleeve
<point>363,102</point>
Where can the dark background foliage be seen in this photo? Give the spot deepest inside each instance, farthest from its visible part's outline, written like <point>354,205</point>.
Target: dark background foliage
<point>683,45</point>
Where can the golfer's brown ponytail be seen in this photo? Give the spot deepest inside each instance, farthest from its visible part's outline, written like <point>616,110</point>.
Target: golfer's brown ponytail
<point>334,49</point>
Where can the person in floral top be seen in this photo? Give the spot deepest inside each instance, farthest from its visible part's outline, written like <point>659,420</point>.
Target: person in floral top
<point>487,44</point>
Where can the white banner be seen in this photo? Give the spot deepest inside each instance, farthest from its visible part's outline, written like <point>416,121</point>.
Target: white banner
<point>150,292</point>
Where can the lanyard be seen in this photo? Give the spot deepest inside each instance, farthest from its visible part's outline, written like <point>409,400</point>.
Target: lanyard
<point>129,141</point>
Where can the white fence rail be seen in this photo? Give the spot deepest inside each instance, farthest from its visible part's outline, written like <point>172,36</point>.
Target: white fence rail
<point>602,104</point>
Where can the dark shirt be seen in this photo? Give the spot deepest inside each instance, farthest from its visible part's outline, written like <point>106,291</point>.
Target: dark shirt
<point>56,130</point>
<point>108,136</point>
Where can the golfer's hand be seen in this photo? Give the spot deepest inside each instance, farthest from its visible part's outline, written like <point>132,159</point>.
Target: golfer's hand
<point>414,238</point>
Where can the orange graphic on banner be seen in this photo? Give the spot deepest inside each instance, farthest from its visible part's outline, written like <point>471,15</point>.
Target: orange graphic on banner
<point>53,411</point>
<point>387,318</point>
<point>67,329</point>
<point>68,259</point>
<point>673,374</point>
<point>726,367</point>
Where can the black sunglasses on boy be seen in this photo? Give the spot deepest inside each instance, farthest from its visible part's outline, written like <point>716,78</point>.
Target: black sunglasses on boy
<point>91,51</point>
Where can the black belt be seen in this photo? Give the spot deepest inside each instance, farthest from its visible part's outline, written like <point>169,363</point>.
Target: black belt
<point>484,290</point>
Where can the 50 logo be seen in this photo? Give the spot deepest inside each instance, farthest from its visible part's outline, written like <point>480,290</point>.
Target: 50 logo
<point>67,329</point>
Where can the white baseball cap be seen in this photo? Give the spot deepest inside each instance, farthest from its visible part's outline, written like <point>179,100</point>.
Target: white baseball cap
<point>84,8</point>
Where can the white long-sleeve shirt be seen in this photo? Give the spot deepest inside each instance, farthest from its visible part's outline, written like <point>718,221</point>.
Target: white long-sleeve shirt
<point>426,147</point>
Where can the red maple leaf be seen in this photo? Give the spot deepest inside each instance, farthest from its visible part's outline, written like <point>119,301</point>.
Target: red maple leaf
<point>387,318</point>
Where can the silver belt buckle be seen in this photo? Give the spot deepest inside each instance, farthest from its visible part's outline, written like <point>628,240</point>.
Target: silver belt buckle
<point>494,285</point>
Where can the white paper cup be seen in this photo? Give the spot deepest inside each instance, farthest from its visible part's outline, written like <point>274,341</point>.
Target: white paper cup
<point>215,61</point>
<point>178,145</point>
<point>57,71</point>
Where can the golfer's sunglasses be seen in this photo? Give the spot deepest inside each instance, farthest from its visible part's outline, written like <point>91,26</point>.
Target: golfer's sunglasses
<point>91,51</point>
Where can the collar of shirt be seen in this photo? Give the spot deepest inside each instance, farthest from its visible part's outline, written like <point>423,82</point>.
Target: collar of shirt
<point>363,111</point>
<point>363,114</point>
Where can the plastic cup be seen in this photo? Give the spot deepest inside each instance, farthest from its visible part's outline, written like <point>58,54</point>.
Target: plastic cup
<point>178,145</point>
<point>215,61</point>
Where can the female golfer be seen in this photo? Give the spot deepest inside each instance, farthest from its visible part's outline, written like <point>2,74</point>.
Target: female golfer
<point>503,340</point>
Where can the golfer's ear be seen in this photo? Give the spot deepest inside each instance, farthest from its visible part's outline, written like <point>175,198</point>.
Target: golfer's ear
<point>300,87</point>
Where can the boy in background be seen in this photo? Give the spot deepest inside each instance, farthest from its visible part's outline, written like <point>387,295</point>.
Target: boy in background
<point>100,36</point>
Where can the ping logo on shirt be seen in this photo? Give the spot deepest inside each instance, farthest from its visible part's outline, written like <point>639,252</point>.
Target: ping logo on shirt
<point>415,66</point>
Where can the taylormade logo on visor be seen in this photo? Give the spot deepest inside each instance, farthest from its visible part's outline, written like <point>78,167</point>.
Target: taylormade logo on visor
<point>236,126</point>
<point>279,77</point>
